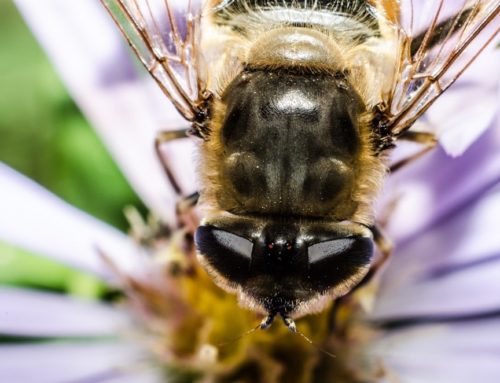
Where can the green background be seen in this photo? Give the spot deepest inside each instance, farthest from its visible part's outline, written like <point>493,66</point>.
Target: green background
<point>44,136</point>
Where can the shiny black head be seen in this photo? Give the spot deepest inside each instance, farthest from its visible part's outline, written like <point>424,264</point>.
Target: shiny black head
<point>282,268</point>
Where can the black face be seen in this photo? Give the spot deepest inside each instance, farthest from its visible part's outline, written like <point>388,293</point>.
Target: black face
<point>282,268</point>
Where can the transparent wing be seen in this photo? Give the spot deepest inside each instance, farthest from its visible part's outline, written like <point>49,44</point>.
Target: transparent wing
<point>441,39</point>
<point>166,41</point>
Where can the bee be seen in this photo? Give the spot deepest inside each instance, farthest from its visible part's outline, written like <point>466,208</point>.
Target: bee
<point>296,106</point>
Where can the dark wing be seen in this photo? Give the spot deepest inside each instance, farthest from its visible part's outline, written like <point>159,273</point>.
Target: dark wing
<point>166,41</point>
<point>432,60</point>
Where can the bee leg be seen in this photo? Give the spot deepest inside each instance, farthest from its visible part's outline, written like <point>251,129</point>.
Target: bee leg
<point>182,237</point>
<point>186,217</point>
<point>187,203</point>
<point>427,139</point>
<point>145,231</point>
<point>162,138</point>
<point>385,247</point>
<point>418,137</point>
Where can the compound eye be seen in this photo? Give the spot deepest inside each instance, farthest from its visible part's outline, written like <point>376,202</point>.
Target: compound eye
<point>339,262</point>
<point>229,254</point>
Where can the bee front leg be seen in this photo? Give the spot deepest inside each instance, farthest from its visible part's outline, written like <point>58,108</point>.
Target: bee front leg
<point>429,141</point>
<point>187,203</point>
<point>186,214</point>
<point>162,138</point>
<point>186,218</point>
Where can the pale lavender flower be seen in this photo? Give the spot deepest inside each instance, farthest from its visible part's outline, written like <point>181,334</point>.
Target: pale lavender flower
<point>438,297</point>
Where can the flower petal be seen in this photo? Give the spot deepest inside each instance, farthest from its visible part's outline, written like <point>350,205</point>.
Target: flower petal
<point>459,122</point>
<point>40,314</point>
<point>450,270</point>
<point>78,362</point>
<point>136,377</point>
<point>434,187</point>
<point>35,219</point>
<point>454,353</point>
<point>126,108</point>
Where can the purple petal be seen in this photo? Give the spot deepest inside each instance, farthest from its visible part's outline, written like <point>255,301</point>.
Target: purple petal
<point>454,353</point>
<point>127,109</point>
<point>35,219</point>
<point>457,126</point>
<point>451,269</point>
<point>39,314</point>
<point>136,377</point>
<point>78,362</point>
<point>434,187</point>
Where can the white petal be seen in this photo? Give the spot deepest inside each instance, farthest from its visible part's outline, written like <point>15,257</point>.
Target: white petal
<point>451,269</point>
<point>463,113</point>
<point>453,353</point>
<point>128,126</point>
<point>125,107</point>
<point>35,219</point>
<point>139,377</point>
<point>58,363</point>
<point>459,123</point>
<point>461,293</point>
<point>39,314</point>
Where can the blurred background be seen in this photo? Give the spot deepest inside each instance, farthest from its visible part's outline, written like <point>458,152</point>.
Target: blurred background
<point>44,136</point>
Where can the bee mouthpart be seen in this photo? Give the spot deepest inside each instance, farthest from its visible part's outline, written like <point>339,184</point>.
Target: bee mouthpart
<point>290,323</point>
<point>267,322</point>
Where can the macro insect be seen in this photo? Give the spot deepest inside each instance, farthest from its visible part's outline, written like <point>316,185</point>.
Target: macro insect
<point>296,106</point>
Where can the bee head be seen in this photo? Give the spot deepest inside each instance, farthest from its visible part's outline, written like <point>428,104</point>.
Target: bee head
<point>283,268</point>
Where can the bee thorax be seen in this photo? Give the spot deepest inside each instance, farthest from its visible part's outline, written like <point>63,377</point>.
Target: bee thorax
<point>295,47</point>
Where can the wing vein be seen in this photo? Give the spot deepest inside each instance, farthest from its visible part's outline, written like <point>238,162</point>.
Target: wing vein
<point>160,58</point>
<point>420,101</point>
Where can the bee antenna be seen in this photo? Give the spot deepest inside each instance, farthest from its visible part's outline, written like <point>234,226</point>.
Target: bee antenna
<point>316,346</point>
<point>246,333</point>
<point>290,323</point>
